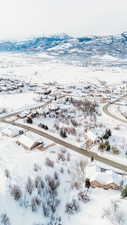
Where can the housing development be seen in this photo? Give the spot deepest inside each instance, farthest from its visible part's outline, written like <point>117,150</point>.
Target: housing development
<point>63,129</point>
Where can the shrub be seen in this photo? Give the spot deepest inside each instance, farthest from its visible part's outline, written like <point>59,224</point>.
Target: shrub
<point>46,210</point>
<point>68,157</point>
<point>76,185</point>
<point>74,122</point>
<point>29,120</point>
<point>49,162</point>
<point>107,134</point>
<point>87,183</point>
<point>7,173</point>
<point>16,192</point>
<point>37,181</point>
<point>36,167</point>
<point>62,170</point>
<point>124,192</point>
<point>72,207</point>
<point>82,196</point>
<point>107,146</point>
<point>63,133</point>
<point>68,171</point>
<point>52,183</point>
<point>39,184</point>
<point>45,127</point>
<point>55,221</point>
<point>78,174</point>
<point>114,214</point>
<point>104,146</point>
<point>115,150</point>
<point>29,186</point>
<point>36,202</point>
<point>61,156</point>
<point>82,165</point>
<point>42,184</point>
<point>5,219</point>
<point>56,176</point>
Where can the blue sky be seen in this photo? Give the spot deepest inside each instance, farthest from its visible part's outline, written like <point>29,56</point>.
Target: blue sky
<point>25,18</point>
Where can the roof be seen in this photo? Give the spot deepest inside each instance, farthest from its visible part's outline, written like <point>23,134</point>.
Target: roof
<point>11,131</point>
<point>27,141</point>
<point>103,177</point>
<point>94,133</point>
<point>91,135</point>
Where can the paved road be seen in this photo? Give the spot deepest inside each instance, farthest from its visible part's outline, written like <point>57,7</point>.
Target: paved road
<point>107,112</point>
<point>62,142</point>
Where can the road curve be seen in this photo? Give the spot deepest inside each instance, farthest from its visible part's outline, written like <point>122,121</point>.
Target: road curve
<point>107,112</point>
<point>69,145</point>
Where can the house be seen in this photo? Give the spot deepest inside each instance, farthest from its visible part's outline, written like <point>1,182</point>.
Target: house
<point>23,115</point>
<point>106,180</point>
<point>28,142</point>
<point>11,131</point>
<point>91,135</point>
<point>94,133</point>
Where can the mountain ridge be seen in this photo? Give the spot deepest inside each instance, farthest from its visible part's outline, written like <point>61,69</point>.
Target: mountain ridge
<point>71,48</point>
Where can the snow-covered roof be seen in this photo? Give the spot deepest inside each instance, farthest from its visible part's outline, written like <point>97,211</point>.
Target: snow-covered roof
<point>103,177</point>
<point>93,134</point>
<point>11,131</point>
<point>27,141</point>
<point>53,106</point>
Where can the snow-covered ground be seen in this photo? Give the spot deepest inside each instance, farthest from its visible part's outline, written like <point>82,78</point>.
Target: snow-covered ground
<point>41,68</point>
<point>14,102</point>
<point>18,164</point>
<point>20,168</point>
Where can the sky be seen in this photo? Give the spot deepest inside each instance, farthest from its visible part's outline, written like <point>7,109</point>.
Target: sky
<point>25,18</point>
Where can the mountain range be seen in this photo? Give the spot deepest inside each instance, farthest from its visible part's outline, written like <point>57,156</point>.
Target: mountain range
<point>83,50</point>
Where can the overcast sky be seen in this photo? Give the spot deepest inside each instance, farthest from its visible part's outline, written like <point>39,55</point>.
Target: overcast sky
<point>25,18</point>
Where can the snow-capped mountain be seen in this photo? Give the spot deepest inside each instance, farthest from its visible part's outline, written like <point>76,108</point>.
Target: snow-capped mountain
<point>94,50</point>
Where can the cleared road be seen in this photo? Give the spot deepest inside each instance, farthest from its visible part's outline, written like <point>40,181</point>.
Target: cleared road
<point>107,112</point>
<point>61,142</point>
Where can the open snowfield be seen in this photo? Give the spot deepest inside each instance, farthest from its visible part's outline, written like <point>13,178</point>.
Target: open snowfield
<point>41,68</point>
<point>15,102</point>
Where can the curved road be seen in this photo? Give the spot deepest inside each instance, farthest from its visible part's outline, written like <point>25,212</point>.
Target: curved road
<point>107,112</point>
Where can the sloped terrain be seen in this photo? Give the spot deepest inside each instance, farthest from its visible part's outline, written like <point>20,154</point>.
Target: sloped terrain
<point>108,51</point>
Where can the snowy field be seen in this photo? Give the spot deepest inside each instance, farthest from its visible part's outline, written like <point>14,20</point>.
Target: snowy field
<point>15,102</point>
<point>41,68</point>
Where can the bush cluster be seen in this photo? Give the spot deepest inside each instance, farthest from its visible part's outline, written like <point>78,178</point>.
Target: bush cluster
<point>104,146</point>
<point>49,162</point>
<point>16,192</point>
<point>124,192</point>
<point>72,207</point>
<point>4,219</point>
